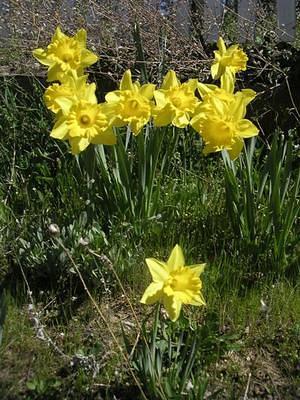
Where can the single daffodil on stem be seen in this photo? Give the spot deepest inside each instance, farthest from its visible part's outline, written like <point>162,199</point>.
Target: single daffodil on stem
<point>174,284</point>
<point>175,101</point>
<point>131,104</point>
<point>228,60</point>
<point>65,54</point>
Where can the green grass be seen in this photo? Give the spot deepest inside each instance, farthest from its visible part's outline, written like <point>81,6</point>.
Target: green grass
<point>42,184</point>
<point>243,337</point>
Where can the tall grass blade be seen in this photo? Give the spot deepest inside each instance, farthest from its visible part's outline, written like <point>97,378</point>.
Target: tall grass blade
<point>140,58</point>
<point>262,200</point>
<point>3,311</point>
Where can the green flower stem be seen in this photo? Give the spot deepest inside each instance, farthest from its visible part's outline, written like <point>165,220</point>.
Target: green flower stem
<point>154,331</point>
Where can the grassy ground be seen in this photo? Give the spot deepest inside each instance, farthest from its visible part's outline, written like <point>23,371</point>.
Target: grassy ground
<point>54,343</point>
<point>247,343</point>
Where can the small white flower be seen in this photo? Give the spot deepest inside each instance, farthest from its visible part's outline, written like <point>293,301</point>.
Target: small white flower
<point>83,241</point>
<point>189,386</point>
<point>40,334</point>
<point>54,229</point>
<point>263,306</point>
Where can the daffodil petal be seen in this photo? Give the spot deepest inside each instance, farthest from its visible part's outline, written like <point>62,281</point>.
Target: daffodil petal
<point>118,122</point>
<point>136,126</point>
<point>197,300</point>
<point>112,97</point>
<point>90,94</point>
<point>58,34</point>
<point>78,144</point>
<point>88,58</point>
<point>158,270</point>
<point>163,116</point>
<point>219,106</point>
<point>136,86</point>
<point>107,137</point>
<point>221,45</point>
<point>236,149</point>
<point>176,258</point>
<point>247,129</point>
<point>126,82</point>
<point>197,268</point>
<point>60,129</point>
<point>170,80</point>
<point>81,37</point>
<point>181,120</point>
<point>147,90</point>
<point>160,98</point>
<point>153,293</point>
<point>64,103</point>
<point>184,296</point>
<point>173,306</point>
<point>54,73</point>
<point>204,89</point>
<point>191,84</point>
<point>248,95</point>
<point>53,93</point>
<point>210,149</point>
<point>239,109</point>
<point>228,81</point>
<point>41,56</point>
<point>215,70</point>
<point>195,122</point>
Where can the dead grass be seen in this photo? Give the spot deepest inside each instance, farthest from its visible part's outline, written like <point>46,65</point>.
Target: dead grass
<point>30,24</point>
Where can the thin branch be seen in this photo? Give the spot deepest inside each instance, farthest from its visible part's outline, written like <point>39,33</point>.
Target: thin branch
<point>97,308</point>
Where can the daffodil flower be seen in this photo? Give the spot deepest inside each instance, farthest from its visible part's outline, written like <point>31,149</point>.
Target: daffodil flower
<point>231,60</point>
<point>174,284</point>
<point>71,90</point>
<point>220,117</point>
<point>83,121</point>
<point>175,102</point>
<point>65,54</point>
<point>131,104</point>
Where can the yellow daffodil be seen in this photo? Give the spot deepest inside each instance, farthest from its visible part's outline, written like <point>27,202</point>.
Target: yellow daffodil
<point>174,283</point>
<point>71,90</point>
<point>65,54</point>
<point>131,104</point>
<point>83,122</point>
<point>231,60</point>
<point>220,118</point>
<point>175,102</point>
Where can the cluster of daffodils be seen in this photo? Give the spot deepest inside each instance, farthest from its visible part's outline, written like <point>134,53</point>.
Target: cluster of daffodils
<point>78,116</point>
<point>220,116</point>
<point>216,113</point>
